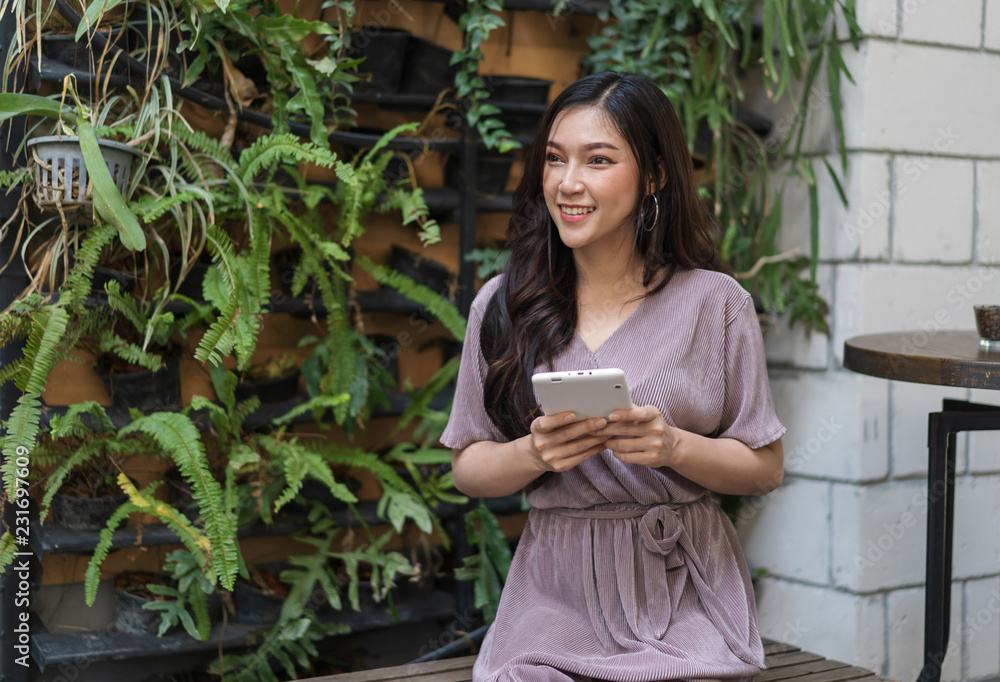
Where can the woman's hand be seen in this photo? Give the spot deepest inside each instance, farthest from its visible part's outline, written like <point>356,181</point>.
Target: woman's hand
<point>641,436</point>
<point>557,443</point>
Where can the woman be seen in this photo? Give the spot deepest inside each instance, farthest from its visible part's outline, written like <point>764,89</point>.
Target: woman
<point>627,569</point>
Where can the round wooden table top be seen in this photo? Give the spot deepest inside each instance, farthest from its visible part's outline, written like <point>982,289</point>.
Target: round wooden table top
<point>943,358</point>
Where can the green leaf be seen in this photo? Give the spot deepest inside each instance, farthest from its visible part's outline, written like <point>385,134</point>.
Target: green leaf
<point>833,70</point>
<point>836,182</point>
<point>92,17</point>
<point>108,201</point>
<point>8,550</point>
<point>287,29</point>
<point>438,306</point>
<point>16,104</point>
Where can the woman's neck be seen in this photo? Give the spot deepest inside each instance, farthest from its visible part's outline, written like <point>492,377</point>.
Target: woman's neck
<point>601,277</point>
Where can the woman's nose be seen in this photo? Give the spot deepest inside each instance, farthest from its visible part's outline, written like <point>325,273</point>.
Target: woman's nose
<point>570,182</point>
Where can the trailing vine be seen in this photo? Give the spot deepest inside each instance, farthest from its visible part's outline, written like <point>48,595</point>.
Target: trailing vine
<point>476,23</point>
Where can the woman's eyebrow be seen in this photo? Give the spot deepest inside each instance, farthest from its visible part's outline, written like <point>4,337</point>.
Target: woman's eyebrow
<point>586,147</point>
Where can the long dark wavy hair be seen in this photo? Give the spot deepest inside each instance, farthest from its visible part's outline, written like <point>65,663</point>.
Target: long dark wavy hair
<point>533,314</point>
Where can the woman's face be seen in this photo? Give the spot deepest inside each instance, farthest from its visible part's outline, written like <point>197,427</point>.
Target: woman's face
<point>590,181</point>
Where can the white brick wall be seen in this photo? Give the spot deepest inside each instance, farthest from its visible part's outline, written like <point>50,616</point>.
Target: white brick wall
<point>879,535</point>
<point>922,99</point>
<point>842,626</point>
<point>988,208</point>
<point>917,246</point>
<point>906,635</point>
<point>876,18</point>
<point>932,213</point>
<point>984,446</point>
<point>952,22</point>
<point>991,31</point>
<point>859,230</point>
<point>980,628</point>
<point>788,533</point>
<point>977,526</point>
<point>837,424</point>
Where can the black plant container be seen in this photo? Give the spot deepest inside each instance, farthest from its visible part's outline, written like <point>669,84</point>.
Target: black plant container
<point>492,172</point>
<point>427,69</point>
<point>192,284</point>
<point>390,348</point>
<point>254,606</point>
<point>384,53</point>
<point>421,270</point>
<point>518,89</point>
<point>127,279</point>
<point>130,617</point>
<point>275,390</point>
<point>145,390</point>
<point>85,513</point>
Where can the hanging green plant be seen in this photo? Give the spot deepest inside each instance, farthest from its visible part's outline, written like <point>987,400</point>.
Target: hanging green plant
<point>476,23</point>
<point>693,50</point>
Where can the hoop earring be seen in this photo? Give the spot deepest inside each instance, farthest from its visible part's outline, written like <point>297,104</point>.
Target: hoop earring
<point>656,215</point>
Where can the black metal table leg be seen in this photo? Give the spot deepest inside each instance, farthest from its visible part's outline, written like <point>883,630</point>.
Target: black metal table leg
<point>940,502</point>
<point>942,429</point>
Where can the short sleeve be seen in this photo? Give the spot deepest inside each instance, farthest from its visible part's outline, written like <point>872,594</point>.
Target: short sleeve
<point>748,413</point>
<point>469,422</point>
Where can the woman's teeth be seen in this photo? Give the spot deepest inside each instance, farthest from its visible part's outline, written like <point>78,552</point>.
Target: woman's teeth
<point>576,210</point>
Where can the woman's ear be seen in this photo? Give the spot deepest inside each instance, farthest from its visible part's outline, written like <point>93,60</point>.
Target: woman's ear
<point>657,185</point>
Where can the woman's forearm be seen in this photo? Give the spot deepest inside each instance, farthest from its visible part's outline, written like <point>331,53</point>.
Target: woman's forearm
<point>728,466</point>
<point>488,469</point>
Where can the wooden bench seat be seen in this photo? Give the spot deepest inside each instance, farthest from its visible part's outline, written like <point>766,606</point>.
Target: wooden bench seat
<point>784,662</point>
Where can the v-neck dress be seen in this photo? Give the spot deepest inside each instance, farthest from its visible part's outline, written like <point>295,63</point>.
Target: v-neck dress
<point>625,572</point>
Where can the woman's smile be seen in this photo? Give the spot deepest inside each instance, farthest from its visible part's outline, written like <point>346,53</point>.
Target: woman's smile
<point>575,214</point>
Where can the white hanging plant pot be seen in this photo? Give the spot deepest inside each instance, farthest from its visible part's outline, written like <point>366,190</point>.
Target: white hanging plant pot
<point>61,177</point>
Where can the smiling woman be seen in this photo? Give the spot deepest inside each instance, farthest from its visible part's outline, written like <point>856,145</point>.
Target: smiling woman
<point>628,561</point>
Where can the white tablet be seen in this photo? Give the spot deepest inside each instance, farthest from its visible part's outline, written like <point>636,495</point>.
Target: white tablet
<point>587,393</point>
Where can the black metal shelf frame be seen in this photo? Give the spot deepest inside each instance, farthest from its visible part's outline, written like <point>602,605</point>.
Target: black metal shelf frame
<point>52,538</point>
<point>49,650</point>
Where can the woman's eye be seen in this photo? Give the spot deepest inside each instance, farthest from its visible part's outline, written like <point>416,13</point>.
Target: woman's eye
<point>552,158</point>
<point>600,160</point>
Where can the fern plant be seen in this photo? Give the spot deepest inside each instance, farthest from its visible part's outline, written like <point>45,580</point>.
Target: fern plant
<point>187,603</point>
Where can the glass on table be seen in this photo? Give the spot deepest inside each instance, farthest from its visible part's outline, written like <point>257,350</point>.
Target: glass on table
<point>988,326</point>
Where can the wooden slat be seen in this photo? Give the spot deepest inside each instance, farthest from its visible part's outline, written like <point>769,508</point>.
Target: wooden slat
<point>422,672</point>
<point>797,672</point>
<point>771,648</point>
<point>850,672</point>
<point>785,662</point>
<point>790,658</point>
<point>464,675</point>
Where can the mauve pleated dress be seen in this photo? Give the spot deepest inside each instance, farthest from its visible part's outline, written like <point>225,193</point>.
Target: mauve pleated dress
<point>624,572</point>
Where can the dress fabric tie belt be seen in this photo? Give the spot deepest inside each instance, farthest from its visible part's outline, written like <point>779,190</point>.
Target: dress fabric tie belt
<point>660,527</point>
<point>662,530</point>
